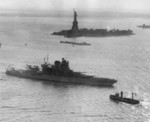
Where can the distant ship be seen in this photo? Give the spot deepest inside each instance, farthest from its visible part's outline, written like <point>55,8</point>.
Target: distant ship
<point>76,32</point>
<point>118,98</point>
<point>76,43</point>
<point>144,26</point>
<point>59,72</point>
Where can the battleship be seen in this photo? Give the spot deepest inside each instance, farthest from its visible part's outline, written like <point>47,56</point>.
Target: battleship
<point>84,32</point>
<point>144,26</point>
<point>76,43</point>
<point>58,72</point>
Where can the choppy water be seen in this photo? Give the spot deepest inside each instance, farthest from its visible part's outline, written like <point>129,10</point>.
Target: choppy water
<point>126,59</point>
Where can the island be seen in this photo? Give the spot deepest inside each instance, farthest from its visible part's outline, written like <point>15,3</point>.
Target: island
<point>84,32</point>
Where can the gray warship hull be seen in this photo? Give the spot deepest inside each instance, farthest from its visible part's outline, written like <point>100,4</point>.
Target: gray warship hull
<point>63,79</point>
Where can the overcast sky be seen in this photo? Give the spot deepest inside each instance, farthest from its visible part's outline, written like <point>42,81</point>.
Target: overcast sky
<point>136,6</point>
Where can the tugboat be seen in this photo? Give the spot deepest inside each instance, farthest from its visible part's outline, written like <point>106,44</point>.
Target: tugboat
<point>118,98</point>
<point>58,72</point>
<point>144,26</point>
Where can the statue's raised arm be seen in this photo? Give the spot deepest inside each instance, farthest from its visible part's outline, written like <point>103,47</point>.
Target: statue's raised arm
<point>75,14</point>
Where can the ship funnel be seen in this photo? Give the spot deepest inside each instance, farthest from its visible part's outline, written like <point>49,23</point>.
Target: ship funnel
<point>121,94</point>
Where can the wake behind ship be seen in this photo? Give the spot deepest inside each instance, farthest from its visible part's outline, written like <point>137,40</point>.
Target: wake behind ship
<point>58,72</point>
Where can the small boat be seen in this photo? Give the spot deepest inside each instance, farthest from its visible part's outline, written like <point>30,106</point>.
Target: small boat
<point>76,43</point>
<point>144,26</point>
<point>118,98</point>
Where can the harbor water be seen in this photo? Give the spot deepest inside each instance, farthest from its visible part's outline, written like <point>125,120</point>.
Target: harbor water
<point>27,40</point>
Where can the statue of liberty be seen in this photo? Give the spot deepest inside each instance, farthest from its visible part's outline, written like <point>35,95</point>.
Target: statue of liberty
<point>75,15</point>
<point>74,29</point>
